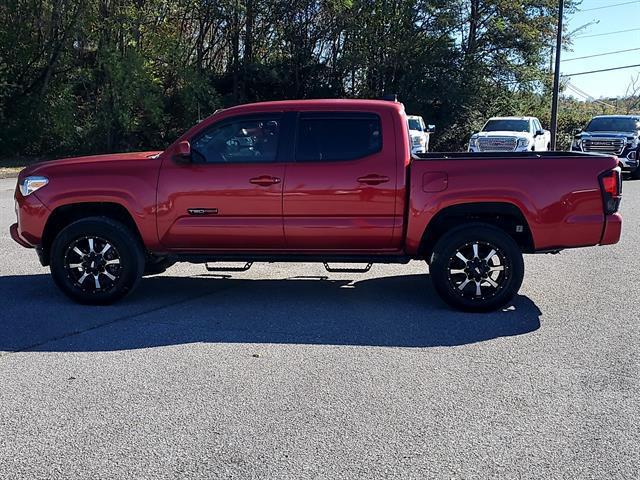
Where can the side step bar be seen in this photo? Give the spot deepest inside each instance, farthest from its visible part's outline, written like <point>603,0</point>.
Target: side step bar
<point>244,268</point>
<point>330,269</point>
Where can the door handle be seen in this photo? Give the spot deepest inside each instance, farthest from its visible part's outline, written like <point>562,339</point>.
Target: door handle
<point>373,179</point>
<point>264,180</point>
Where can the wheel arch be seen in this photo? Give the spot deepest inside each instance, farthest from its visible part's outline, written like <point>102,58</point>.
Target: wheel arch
<point>65,215</point>
<point>504,215</point>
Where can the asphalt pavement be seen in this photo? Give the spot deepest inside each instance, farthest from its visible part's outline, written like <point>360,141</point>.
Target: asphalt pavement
<point>286,371</point>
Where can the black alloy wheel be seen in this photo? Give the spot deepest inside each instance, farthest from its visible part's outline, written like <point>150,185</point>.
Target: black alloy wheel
<point>96,260</point>
<point>477,267</point>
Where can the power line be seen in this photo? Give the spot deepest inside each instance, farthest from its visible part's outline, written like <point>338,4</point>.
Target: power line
<point>608,6</point>
<point>600,54</point>
<point>608,33</point>
<point>598,71</point>
<point>584,94</point>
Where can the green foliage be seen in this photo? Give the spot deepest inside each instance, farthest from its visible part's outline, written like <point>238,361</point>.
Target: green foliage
<point>104,75</point>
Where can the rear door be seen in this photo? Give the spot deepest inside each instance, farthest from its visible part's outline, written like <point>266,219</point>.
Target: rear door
<point>230,196</point>
<point>340,191</point>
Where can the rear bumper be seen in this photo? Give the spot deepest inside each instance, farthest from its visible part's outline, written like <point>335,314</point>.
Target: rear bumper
<point>13,231</point>
<point>612,229</point>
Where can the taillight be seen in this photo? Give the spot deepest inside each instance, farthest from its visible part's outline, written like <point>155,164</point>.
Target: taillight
<point>611,185</point>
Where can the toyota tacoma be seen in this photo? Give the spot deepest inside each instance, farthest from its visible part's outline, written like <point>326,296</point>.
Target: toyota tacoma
<point>329,181</point>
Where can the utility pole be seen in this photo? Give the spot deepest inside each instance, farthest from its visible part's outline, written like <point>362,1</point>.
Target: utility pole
<point>556,79</point>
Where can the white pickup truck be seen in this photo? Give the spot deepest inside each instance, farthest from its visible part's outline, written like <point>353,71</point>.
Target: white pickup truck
<point>419,133</point>
<point>511,134</point>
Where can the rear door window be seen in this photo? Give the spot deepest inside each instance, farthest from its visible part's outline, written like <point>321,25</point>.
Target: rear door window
<point>323,137</point>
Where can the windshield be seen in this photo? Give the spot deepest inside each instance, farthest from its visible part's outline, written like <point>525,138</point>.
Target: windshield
<point>414,124</point>
<point>506,126</point>
<point>613,124</point>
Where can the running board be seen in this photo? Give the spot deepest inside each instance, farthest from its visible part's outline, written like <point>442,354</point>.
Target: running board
<point>244,268</point>
<point>347,270</point>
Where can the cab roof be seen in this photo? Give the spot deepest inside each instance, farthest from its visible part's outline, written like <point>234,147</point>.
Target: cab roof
<point>319,104</point>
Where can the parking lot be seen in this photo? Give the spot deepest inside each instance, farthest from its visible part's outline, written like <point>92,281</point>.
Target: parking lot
<point>286,371</point>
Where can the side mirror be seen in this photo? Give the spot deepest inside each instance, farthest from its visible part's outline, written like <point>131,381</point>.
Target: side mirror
<point>183,152</point>
<point>539,132</point>
<point>576,131</point>
<point>431,128</point>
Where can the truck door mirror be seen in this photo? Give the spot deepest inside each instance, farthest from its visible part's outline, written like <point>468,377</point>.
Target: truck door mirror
<point>539,132</point>
<point>183,152</point>
<point>431,128</point>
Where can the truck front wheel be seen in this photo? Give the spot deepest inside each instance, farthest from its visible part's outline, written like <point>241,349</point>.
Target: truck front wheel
<point>476,268</point>
<point>96,260</point>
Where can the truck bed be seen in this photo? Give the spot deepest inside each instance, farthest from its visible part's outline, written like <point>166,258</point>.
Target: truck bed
<point>558,193</point>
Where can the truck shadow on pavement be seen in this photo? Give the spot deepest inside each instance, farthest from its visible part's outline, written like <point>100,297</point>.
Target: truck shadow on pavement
<point>395,311</point>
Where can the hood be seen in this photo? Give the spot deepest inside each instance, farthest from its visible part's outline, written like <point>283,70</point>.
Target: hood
<point>608,134</point>
<point>505,133</point>
<point>416,133</point>
<point>111,157</point>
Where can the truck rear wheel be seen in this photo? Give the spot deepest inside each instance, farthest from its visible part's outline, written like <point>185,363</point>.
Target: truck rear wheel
<point>96,260</point>
<point>476,268</point>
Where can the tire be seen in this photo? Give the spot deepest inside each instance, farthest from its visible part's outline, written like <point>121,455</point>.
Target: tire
<point>90,272</point>
<point>494,268</point>
<point>635,174</point>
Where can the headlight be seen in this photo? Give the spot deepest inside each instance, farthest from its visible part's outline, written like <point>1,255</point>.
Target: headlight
<point>523,142</point>
<point>31,184</point>
<point>577,143</point>
<point>632,142</point>
<point>474,142</point>
<point>419,141</point>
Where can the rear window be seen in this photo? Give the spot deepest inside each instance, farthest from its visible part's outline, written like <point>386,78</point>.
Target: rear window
<point>335,137</point>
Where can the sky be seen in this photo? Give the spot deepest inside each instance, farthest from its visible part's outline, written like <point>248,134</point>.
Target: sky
<point>611,17</point>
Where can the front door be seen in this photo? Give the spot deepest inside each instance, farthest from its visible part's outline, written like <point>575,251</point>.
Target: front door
<point>230,195</point>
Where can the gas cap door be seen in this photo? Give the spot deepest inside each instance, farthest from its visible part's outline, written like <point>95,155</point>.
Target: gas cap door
<point>435,182</point>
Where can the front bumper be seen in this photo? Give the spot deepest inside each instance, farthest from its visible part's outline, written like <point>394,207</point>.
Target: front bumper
<point>418,149</point>
<point>15,235</point>
<point>628,158</point>
<point>32,217</point>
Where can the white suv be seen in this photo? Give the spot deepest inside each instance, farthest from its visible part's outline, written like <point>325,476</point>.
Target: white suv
<point>419,134</point>
<point>511,134</point>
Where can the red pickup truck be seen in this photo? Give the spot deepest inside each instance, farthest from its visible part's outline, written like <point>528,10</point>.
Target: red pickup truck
<point>328,181</point>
